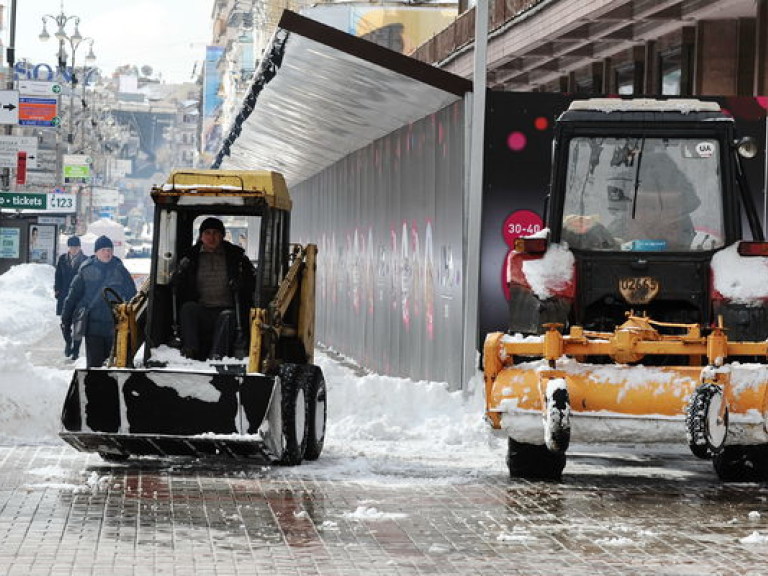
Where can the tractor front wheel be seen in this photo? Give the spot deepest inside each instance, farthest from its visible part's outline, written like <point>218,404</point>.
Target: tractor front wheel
<point>742,463</point>
<point>534,461</point>
<point>706,430</point>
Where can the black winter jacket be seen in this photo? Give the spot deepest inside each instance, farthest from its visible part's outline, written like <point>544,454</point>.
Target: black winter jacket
<point>66,269</point>
<point>241,274</point>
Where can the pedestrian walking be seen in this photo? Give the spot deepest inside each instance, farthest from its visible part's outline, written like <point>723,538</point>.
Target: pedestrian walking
<point>66,268</point>
<point>86,296</point>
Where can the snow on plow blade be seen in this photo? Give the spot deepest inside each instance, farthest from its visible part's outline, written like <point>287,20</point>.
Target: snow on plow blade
<point>619,402</point>
<point>124,412</point>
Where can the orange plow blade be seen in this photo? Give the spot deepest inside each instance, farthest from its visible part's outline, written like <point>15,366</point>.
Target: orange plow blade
<point>618,402</point>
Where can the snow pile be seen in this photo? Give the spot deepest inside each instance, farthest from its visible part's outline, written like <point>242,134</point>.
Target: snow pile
<point>31,396</point>
<point>385,408</point>
<point>741,279</point>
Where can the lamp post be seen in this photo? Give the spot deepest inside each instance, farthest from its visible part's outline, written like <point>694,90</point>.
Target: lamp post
<point>61,22</point>
<point>73,40</point>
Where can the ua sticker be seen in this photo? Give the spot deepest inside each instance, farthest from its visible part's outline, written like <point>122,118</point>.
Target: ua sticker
<point>705,149</point>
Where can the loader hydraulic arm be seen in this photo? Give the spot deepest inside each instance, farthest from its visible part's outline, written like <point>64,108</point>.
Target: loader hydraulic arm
<point>270,324</point>
<point>128,316</point>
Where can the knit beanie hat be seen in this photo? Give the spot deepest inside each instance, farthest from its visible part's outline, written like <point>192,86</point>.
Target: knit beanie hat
<point>103,242</point>
<point>73,241</point>
<point>212,224</point>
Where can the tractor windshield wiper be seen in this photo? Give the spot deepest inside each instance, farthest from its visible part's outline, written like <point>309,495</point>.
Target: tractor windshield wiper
<point>637,176</point>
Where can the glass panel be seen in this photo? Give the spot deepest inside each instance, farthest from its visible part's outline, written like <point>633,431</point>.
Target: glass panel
<point>671,71</point>
<point>645,194</point>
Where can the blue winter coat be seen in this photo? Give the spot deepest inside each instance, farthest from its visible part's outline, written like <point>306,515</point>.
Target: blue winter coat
<point>66,269</point>
<point>87,290</point>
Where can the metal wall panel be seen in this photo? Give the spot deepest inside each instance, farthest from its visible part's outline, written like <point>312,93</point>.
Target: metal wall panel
<point>388,221</point>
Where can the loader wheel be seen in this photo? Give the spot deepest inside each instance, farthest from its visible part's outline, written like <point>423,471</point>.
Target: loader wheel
<point>705,430</point>
<point>557,426</point>
<point>534,461</point>
<point>294,411</point>
<point>317,412</point>
<point>742,463</point>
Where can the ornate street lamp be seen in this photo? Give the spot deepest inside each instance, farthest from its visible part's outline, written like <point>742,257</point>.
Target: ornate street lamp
<point>73,40</point>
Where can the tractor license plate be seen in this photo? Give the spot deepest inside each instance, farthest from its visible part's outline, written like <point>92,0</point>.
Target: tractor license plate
<point>639,290</point>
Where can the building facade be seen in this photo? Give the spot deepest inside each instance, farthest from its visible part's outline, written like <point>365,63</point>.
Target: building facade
<point>641,47</point>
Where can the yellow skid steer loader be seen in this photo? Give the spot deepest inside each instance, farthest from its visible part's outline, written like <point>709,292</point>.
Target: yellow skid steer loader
<point>268,401</point>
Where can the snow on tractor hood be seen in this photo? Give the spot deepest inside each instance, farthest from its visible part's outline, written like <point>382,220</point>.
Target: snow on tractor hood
<point>552,273</point>
<point>741,279</point>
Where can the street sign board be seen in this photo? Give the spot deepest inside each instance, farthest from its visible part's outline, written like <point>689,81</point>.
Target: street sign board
<point>38,111</point>
<point>10,146</point>
<point>9,107</point>
<point>38,202</point>
<point>105,197</point>
<point>39,88</point>
<point>41,178</point>
<point>77,168</point>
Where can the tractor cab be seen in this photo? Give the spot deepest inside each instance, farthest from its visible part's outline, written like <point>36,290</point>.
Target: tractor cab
<point>257,205</point>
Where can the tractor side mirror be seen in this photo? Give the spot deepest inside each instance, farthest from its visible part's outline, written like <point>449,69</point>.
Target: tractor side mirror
<point>747,147</point>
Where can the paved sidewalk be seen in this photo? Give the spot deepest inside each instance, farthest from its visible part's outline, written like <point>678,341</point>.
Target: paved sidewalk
<point>66,513</point>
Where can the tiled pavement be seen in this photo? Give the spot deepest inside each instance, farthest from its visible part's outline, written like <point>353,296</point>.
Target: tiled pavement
<point>66,513</point>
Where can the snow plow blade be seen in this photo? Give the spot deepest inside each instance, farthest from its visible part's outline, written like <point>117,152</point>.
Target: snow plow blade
<point>125,412</point>
<point>620,402</point>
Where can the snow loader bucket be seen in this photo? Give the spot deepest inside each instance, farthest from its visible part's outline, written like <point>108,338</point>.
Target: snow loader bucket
<point>123,412</point>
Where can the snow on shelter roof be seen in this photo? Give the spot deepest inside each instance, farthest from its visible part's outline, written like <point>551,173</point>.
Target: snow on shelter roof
<point>682,105</point>
<point>193,184</point>
<point>320,94</point>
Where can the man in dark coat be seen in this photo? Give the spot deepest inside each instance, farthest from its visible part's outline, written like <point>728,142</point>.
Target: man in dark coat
<point>102,270</point>
<point>66,268</point>
<point>212,280</point>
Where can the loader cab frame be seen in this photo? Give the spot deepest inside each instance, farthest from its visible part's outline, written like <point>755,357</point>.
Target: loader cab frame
<point>178,212</point>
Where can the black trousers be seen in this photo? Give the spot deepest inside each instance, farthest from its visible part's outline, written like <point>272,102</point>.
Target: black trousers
<point>97,349</point>
<point>71,346</point>
<point>207,332</point>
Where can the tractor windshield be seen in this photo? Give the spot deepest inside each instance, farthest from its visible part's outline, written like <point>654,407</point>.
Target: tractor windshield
<point>643,194</point>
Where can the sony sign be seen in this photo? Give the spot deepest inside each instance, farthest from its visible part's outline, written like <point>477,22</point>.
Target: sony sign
<point>47,73</point>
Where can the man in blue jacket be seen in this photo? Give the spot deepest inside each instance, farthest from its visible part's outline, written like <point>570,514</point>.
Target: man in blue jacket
<point>102,270</point>
<point>66,268</point>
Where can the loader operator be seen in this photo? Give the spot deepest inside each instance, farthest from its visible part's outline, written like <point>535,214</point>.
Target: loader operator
<point>215,283</point>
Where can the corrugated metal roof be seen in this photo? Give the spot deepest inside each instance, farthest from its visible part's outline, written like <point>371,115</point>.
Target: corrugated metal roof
<point>320,94</point>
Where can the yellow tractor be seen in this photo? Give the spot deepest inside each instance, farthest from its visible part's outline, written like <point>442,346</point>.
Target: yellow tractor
<point>639,314</point>
<point>268,401</point>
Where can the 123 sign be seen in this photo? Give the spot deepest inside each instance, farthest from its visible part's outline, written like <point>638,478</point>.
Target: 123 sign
<point>61,203</point>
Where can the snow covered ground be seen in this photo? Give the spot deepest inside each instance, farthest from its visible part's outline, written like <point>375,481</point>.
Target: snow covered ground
<point>384,428</point>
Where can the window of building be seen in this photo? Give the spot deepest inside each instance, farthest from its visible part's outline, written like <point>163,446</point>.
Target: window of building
<point>625,79</point>
<point>670,69</point>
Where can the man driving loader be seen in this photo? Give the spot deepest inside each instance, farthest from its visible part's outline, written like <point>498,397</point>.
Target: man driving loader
<point>215,283</point>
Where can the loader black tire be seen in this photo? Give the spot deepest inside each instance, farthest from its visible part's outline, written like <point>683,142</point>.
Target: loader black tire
<point>742,464</point>
<point>704,439</point>
<point>294,413</point>
<point>317,411</point>
<point>534,461</point>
